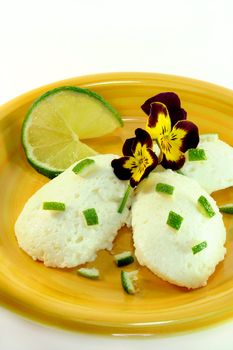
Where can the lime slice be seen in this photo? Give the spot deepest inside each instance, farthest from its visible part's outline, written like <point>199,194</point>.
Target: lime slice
<point>56,122</point>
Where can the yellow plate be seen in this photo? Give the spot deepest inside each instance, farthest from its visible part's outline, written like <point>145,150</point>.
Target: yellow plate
<point>60,297</point>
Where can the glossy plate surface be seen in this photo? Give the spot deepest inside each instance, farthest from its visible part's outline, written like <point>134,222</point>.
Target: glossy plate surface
<point>60,297</point>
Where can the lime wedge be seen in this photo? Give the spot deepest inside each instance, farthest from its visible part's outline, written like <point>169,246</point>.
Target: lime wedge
<point>56,122</point>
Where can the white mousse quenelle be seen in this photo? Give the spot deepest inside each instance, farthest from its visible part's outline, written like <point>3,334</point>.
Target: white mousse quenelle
<point>72,217</point>
<point>215,172</point>
<point>178,231</point>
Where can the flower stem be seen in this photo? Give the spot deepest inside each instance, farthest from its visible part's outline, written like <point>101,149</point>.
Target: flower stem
<point>124,199</point>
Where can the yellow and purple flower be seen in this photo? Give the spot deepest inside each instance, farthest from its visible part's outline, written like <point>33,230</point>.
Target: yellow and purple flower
<point>139,159</point>
<point>173,134</point>
<point>171,101</point>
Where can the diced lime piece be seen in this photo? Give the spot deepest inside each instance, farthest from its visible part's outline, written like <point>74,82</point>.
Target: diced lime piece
<point>164,188</point>
<point>127,280</point>
<point>204,203</point>
<point>123,259</point>
<point>227,208</point>
<point>196,154</point>
<point>82,165</point>
<point>91,216</point>
<point>56,122</point>
<point>54,206</point>
<point>174,220</point>
<point>92,273</point>
<point>199,247</point>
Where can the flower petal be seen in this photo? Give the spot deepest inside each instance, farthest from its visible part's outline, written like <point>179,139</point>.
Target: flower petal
<point>171,101</point>
<point>189,130</point>
<point>129,146</point>
<point>142,137</point>
<point>175,163</point>
<point>119,170</point>
<point>183,136</point>
<point>139,173</point>
<point>158,123</point>
<point>175,116</point>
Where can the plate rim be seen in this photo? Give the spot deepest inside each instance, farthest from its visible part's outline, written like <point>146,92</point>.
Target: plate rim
<point>129,77</point>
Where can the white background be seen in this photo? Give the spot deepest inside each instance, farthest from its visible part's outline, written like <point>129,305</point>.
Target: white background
<point>45,41</point>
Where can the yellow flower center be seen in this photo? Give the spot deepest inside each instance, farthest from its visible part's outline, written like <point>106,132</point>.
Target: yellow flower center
<point>165,143</point>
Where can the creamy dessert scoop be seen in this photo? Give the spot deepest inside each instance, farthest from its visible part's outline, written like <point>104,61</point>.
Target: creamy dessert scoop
<point>216,171</point>
<point>67,221</point>
<point>173,234</point>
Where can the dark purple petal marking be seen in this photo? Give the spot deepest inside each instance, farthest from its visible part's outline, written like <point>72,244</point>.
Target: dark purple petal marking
<point>150,159</point>
<point>191,139</point>
<point>129,147</point>
<point>174,165</point>
<point>143,137</point>
<point>155,111</point>
<point>175,116</point>
<point>119,170</point>
<point>172,102</point>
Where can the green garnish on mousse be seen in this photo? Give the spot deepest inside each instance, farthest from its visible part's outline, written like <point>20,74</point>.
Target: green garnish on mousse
<point>195,154</point>
<point>123,259</point>
<point>227,208</point>
<point>83,164</point>
<point>206,206</point>
<point>91,216</point>
<point>174,220</point>
<point>128,280</point>
<point>92,273</point>
<point>199,247</point>
<point>124,199</point>
<point>165,188</point>
<point>54,206</point>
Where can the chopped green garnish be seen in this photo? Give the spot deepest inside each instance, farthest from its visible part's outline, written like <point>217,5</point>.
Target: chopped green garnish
<point>206,206</point>
<point>127,280</point>
<point>91,216</point>
<point>124,199</point>
<point>196,154</point>
<point>227,208</point>
<point>54,206</point>
<point>199,247</point>
<point>92,273</point>
<point>174,220</point>
<point>82,165</point>
<point>165,188</point>
<point>123,259</point>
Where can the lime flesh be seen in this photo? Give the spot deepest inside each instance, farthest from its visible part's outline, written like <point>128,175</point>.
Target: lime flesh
<point>55,123</point>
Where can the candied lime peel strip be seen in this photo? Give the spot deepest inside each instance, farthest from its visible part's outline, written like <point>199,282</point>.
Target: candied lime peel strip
<point>82,165</point>
<point>124,258</point>
<point>196,154</point>
<point>206,206</point>
<point>174,220</point>
<point>128,280</point>
<point>59,206</point>
<point>164,188</point>
<point>226,209</point>
<point>124,199</point>
<point>91,273</point>
<point>199,247</point>
<point>91,216</point>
